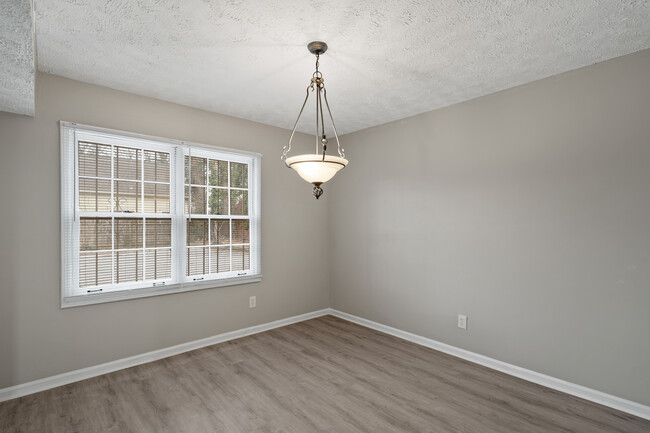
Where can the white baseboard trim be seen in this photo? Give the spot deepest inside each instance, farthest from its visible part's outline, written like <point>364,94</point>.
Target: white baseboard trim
<point>108,367</point>
<point>583,392</point>
<point>593,395</point>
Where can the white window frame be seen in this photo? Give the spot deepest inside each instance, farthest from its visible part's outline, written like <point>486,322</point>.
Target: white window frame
<point>71,294</point>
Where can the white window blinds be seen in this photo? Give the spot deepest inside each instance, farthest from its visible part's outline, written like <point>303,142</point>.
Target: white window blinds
<point>144,216</point>
<point>218,217</point>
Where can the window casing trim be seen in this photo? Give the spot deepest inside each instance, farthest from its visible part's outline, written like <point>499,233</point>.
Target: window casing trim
<point>179,281</point>
<point>121,295</point>
<point>154,139</point>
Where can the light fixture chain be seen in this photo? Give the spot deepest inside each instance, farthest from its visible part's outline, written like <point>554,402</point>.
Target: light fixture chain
<point>336,134</point>
<point>323,140</point>
<point>317,94</point>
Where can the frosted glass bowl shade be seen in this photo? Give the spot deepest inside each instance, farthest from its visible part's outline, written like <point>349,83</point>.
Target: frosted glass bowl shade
<point>314,169</point>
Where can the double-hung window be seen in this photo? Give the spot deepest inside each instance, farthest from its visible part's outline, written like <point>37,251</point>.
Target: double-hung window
<point>143,216</point>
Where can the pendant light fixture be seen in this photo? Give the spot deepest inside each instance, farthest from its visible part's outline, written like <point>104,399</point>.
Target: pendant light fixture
<point>316,168</point>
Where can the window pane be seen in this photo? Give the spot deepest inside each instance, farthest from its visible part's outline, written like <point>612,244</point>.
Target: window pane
<point>197,232</point>
<point>158,264</point>
<point>238,175</point>
<point>128,233</point>
<point>156,197</point>
<point>127,163</point>
<point>241,258</point>
<point>220,231</point>
<point>238,202</point>
<point>240,231</point>
<point>94,195</point>
<point>219,259</point>
<point>218,173</point>
<point>198,200</point>
<point>218,201</point>
<point>94,160</point>
<point>95,269</point>
<point>95,234</point>
<point>127,196</point>
<point>199,170</point>
<point>159,233</point>
<point>197,261</point>
<point>156,166</point>
<point>128,266</point>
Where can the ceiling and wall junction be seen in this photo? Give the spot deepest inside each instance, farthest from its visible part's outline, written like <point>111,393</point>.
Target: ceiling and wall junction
<point>387,59</point>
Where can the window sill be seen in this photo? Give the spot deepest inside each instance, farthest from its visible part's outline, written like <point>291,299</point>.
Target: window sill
<point>100,298</point>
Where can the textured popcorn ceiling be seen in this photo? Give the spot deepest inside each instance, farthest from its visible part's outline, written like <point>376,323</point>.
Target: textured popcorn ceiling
<point>16,57</point>
<point>387,59</point>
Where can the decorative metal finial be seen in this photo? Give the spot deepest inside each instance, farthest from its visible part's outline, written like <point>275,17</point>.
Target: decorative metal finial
<point>318,191</point>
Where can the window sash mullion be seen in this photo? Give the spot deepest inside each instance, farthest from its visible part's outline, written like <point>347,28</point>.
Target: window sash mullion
<point>179,225</point>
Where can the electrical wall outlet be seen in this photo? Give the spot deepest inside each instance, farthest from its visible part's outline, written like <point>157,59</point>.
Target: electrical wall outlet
<point>252,302</point>
<point>462,321</point>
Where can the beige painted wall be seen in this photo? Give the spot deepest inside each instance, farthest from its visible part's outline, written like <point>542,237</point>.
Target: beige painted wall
<point>37,338</point>
<point>527,210</point>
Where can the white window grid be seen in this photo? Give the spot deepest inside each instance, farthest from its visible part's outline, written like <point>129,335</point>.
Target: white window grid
<point>118,142</point>
<point>192,153</point>
<point>71,294</point>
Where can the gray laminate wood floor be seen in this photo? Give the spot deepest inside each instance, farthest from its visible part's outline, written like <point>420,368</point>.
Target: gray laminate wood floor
<point>322,375</point>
